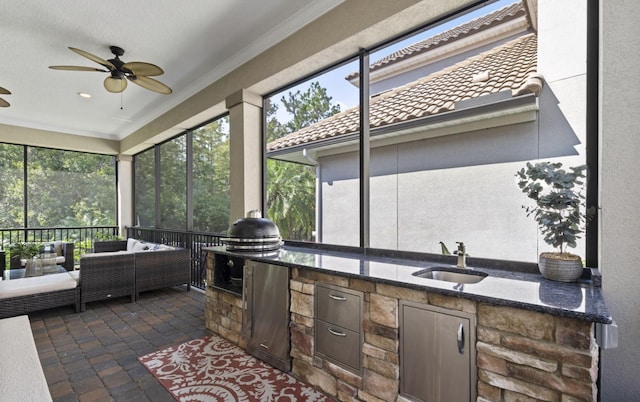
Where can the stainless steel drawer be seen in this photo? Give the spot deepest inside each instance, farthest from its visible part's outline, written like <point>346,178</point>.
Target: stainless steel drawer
<point>339,344</point>
<point>339,307</point>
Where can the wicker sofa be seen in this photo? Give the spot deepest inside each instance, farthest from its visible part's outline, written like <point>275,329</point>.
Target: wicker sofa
<point>128,267</point>
<point>25,295</point>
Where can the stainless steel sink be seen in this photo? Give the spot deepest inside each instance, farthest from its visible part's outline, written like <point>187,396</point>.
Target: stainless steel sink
<point>448,274</point>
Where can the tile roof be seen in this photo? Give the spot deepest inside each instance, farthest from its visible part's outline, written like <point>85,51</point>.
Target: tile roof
<point>510,66</point>
<point>513,11</point>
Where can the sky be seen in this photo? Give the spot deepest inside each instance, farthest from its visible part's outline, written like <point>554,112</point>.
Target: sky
<point>346,95</point>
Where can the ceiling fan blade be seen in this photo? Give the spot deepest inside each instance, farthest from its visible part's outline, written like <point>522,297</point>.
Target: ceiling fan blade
<point>115,85</point>
<point>4,91</point>
<point>77,68</point>
<point>150,84</point>
<point>93,57</point>
<point>142,68</point>
<point>3,103</point>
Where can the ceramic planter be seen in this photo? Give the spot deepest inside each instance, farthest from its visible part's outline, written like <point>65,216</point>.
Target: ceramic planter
<point>560,269</point>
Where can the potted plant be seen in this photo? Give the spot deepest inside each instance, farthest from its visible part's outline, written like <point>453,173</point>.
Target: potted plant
<point>560,212</point>
<point>22,251</point>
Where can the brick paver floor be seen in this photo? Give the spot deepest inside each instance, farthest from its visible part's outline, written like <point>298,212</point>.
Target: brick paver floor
<point>93,355</point>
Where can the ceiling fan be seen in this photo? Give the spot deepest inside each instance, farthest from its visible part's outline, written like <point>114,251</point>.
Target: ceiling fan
<point>119,72</point>
<point>4,103</point>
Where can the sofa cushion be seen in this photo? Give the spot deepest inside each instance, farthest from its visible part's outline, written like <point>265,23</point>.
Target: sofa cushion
<point>36,284</point>
<point>22,375</point>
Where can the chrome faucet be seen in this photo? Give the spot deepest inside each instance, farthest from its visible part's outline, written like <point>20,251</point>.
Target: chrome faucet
<point>462,255</point>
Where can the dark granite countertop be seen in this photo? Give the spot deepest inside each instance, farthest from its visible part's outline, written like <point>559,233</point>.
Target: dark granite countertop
<point>508,284</point>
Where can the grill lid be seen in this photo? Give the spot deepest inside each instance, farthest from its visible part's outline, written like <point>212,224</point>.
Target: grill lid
<point>253,233</point>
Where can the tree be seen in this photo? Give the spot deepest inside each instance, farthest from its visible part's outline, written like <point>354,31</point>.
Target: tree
<point>210,173</point>
<point>173,184</point>
<point>11,186</point>
<point>145,188</point>
<point>66,188</point>
<point>211,164</point>
<point>291,186</point>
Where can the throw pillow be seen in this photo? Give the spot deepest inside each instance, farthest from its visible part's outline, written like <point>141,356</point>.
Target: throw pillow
<point>130,243</point>
<point>139,246</point>
<point>47,248</point>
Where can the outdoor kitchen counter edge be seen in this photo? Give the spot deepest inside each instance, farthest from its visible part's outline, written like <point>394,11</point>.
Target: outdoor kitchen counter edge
<point>525,290</point>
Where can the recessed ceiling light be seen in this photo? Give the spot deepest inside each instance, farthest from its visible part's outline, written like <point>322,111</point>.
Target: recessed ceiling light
<point>84,95</point>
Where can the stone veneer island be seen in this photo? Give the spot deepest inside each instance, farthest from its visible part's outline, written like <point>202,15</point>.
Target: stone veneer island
<point>524,350</point>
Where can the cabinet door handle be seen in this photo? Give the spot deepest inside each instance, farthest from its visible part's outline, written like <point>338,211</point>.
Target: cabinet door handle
<point>336,333</point>
<point>263,346</point>
<point>339,298</point>
<point>461,338</point>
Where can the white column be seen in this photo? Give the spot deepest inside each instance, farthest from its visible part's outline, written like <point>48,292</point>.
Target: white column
<point>125,192</point>
<point>245,119</point>
<point>620,193</point>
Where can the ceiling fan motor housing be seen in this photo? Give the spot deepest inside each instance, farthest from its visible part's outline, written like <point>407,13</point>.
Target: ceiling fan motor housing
<point>119,72</point>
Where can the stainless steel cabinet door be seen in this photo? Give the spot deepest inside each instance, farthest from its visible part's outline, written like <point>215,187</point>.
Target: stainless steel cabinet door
<point>270,315</point>
<point>437,360</point>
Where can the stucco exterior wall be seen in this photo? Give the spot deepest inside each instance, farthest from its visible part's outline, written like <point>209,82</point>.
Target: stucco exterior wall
<point>620,193</point>
<point>452,188</point>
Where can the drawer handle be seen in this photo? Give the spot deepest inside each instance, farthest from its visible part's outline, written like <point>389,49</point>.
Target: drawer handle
<point>263,346</point>
<point>339,298</point>
<point>460,338</point>
<point>336,333</point>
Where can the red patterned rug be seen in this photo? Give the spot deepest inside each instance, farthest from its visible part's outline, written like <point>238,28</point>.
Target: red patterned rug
<point>214,369</point>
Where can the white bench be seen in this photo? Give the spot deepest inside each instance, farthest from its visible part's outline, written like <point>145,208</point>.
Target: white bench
<point>20,371</point>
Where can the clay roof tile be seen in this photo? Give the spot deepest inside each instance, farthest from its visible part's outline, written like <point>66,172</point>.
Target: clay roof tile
<point>513,66</point>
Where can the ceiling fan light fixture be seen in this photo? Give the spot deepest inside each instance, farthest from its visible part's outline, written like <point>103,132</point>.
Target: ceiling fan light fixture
<point>115,85</point>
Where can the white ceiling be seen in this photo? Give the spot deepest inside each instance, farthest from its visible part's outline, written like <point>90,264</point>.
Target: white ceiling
<point>195,42</point>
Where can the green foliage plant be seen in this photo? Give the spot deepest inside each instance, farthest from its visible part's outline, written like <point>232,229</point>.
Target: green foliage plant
<point>25,250</point>
<point>102,236</point>
<point>560,208</point>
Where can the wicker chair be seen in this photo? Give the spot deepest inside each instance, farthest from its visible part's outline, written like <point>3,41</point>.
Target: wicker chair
<point>106,275</point>
<point>66,251</point>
